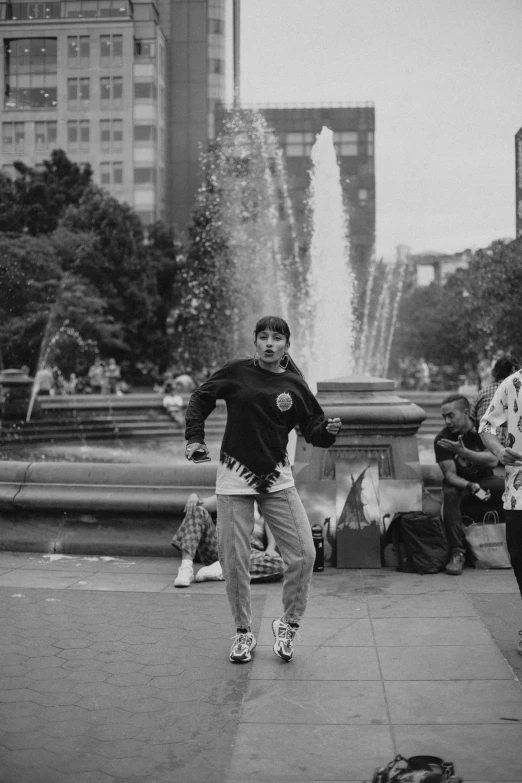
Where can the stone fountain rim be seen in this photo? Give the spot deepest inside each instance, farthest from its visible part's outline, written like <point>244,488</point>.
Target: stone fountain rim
<point>356,383</point>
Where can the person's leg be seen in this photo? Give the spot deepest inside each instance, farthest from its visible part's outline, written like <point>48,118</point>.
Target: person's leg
<point>235,522</point>
<point>285,516</point>
<point>196,532</point>
<point>452,520</point>
<point>514,547</point>
<point>514,543</point>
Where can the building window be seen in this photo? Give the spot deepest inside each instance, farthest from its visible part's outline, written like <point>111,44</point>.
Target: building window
<point>44,134</point>
<point>111,49</point>
<point>346,143</point>
<point>144,50</point>
<point>111,92</point>
<point>111,134</point>
<point>144,135</point>
<point>216,65</point>
<point>30,11</point>
<point>145,91</point>
<point>111,173</point>
<point>78,134</point>
<point>95,9</point>
<point>216,26</point>
<point>117,173</point>
<point>78,93</point>
<point>30,73</point>
<point>144,176</point>
<point>363,196</point>
<point>147,218</point>
<point>13,136</point>
<point>369,143</point>
<point>298,145</point>
<point>78,51</point>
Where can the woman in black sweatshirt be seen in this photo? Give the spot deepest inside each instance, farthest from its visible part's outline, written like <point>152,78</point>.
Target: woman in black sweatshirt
<point>266,397</point>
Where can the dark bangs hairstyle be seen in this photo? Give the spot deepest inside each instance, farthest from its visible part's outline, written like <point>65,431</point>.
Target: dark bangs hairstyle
<point>273,323</point>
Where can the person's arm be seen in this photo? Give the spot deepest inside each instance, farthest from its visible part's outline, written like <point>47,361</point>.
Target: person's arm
<point>201,404</point>
<point>493,418</point>
<point>193,500</point>
<point>449,471</point>
<point>271,547</point>
<point>484,459</point>
<point>316,429</point>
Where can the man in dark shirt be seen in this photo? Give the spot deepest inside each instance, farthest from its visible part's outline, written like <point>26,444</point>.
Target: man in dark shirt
<point>467,467</point>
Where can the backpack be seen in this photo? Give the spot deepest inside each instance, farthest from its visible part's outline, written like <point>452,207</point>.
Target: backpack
<point>417,769</point>
<point>419,541</point>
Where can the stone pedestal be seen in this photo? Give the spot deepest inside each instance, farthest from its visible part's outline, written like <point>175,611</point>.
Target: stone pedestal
<point>378,432</point>
<point>377,424</point>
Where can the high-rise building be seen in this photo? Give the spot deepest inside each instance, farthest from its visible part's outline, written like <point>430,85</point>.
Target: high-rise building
<point>88,76</point>
<point>195,33</point>
<point>127,86</point>
<point>518,181</point>
<point>353,127</point>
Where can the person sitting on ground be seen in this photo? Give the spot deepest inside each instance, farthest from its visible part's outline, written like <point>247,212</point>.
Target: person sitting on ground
<point>197,533</point>
<point>503,368</point>
<point>173,404</point>
<point>467,467</point>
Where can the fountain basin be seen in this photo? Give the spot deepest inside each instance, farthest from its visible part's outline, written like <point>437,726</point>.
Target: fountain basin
<point>73,508</point>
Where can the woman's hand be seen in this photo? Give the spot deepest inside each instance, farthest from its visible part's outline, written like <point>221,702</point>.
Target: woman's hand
<point>192,447</point>
<point>193,501</point>
<point>334,426</point>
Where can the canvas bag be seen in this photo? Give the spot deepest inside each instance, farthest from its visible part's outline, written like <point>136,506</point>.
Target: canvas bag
<point>487,542</point>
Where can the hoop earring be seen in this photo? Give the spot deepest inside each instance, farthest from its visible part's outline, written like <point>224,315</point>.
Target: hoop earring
<point>256,358</point>
<point>285,365</point>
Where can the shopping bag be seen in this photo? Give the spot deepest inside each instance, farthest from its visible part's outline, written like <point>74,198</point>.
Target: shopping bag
<point>487,542</point>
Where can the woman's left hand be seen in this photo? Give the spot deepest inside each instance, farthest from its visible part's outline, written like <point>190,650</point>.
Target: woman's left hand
<point>334,426</point>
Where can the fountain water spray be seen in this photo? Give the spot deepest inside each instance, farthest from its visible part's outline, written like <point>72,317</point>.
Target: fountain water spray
<point>331,282</point>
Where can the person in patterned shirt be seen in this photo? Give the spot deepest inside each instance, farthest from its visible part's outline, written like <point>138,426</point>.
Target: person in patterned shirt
<point>506,408</point>
<point>503,368</point>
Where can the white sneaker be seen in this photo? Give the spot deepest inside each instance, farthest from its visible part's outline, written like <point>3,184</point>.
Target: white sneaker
<point>211,573</point>
<point>185,575</point>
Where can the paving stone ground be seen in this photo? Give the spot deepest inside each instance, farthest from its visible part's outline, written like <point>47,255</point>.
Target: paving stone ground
<point>108,674</point>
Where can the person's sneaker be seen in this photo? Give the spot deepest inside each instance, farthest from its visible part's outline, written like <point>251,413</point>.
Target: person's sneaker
<point>244,644</point>
<point>185,575</point>
<point>213,573</point>
<point>284,639</point>
<point>456,564</point>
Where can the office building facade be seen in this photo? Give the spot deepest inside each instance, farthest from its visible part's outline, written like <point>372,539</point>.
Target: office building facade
<point>518,183</point>
<point>129,87</point>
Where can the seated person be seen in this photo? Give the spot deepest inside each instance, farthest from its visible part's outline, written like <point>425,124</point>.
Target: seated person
<point>198,533</point>
<point>467,467</point>
<point>173,404</point>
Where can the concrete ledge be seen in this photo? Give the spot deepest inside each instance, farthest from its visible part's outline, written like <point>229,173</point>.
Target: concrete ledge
<point>96,508</point>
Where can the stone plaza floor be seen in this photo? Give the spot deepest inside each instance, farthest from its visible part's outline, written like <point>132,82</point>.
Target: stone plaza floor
<point>109,674</point>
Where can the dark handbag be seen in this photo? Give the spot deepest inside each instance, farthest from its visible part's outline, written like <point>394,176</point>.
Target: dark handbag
<point>417,769</point>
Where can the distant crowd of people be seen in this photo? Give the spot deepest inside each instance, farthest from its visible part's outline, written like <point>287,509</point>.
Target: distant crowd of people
<point>103,377</point>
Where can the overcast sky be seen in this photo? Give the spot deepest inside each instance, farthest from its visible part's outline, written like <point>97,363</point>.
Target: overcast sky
<point>446,80</point>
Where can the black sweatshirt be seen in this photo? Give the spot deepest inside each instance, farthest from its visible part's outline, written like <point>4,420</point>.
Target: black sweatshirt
<point>262,408</point>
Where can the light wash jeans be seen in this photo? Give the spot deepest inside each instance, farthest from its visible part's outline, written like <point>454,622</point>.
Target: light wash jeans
<point>284,514</point>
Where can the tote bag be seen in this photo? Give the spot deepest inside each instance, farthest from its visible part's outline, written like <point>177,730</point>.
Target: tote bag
<point>487,542</point>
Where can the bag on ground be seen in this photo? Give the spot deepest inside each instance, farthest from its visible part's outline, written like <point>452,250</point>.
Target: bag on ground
<point>487,542</point>
<point>417,769</point>
<point>419,540</point>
